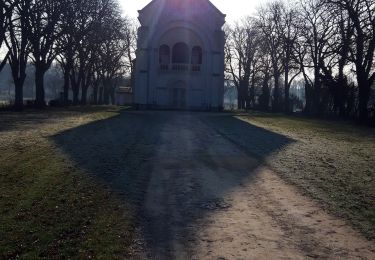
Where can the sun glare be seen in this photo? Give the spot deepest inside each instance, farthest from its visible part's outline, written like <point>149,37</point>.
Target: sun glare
<point>233,9</point>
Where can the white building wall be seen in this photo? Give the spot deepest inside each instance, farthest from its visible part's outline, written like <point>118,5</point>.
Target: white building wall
<point>162,23</point>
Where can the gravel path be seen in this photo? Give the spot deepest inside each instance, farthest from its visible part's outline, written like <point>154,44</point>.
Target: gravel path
<point>211,197</point>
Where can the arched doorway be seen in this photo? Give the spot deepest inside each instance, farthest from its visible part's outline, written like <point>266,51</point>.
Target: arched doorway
<point>178,95</point>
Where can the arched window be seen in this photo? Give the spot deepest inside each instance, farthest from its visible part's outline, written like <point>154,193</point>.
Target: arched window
<point>196,55</point>
<point>164,55</point>
<point>180,53</point>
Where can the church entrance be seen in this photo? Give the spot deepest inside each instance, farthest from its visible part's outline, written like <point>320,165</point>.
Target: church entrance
<point>178,98</point>
<point>178,95</point>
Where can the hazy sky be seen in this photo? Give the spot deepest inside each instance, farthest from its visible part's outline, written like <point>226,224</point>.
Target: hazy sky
<point>234,9</point>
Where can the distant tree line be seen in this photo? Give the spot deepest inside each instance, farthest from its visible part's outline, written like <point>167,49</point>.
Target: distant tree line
<point>89,39</point>
<point>329,44</point>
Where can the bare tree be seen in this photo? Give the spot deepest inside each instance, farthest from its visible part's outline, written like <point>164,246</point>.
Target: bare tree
<point>107,27</point>
<point>265,68</point>
<point>18,47</point>
<point>131,42</point>
<point>6,8</point>
<point>289,31</point>
<point>269,21</point>
<point>66,44</point>
<point>315,49</point>
<point>112,62</point>
<point>325,41</point>
<point>334,74</point>
<point>92,43</point>
<point>362,15</point>
<point>241,48</point>
<point>82,33</point>
<point>43,30</point>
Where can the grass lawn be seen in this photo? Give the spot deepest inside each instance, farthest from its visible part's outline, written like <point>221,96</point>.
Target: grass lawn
<point>53,206</point>
<point>334,162</point>
<point>48,207</point>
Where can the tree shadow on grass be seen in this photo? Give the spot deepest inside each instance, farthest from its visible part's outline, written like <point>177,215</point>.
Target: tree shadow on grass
<point>256,141</point>
<point>115,151</point>
<point>17,121</point>
<point>125,151</point>
<point>29,118</point>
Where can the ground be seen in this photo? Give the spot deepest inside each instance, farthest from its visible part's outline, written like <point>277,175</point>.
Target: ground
<point>113,183</point>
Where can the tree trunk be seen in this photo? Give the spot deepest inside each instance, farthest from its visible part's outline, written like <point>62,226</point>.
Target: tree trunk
<point>316,108</point>
<point>18,103</point>
<point>276,94</point>
<point>242,93</point>
<point>106,96</point>
<point>341,89</point>
<point>101,90</point>
<point>288,107</point>
<point>265,96</point>
<point>66,86</point>
<point>19,76</point>
<point>95,93</point>
<point>364,95</point>
<point>113,96</point>
<point>239,96</point>
<point>106,92</point>
<point>287,90</point>
<point>241,101</point>
<point>75,89</point>
<point>84,95</point>
<point>309,98</point>
<point>252,97</point>
<point>39,87</point>
<point>252,91</point>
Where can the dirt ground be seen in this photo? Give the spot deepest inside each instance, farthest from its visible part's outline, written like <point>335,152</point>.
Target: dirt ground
<point>210,198</point>
<point>200,185</point>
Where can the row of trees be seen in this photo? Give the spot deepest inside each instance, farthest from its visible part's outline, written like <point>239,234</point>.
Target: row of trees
<point>329,44</point>
<point>89,39</point>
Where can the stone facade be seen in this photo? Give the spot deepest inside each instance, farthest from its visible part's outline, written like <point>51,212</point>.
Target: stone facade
<point>180,56</point>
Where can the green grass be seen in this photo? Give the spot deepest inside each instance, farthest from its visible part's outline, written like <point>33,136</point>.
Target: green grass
<point>49,207</point>
<point>334,162</point>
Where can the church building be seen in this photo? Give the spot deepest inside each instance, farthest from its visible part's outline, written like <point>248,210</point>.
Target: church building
<point>180,56</point>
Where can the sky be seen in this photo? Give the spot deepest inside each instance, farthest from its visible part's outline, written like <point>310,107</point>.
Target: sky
<point>234,9</point>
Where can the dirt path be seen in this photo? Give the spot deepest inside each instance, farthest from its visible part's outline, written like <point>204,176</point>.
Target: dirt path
<point>209,198</point>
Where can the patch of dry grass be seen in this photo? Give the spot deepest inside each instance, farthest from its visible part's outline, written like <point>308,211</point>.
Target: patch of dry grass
<point>333,162</point>
<point>48,207</point>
